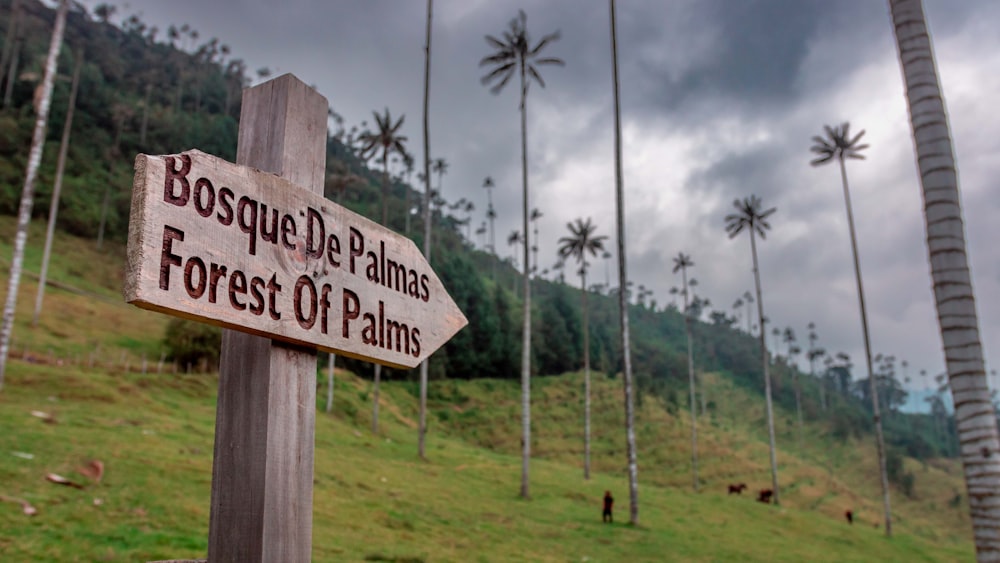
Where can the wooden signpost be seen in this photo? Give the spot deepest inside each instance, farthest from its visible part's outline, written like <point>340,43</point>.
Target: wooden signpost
<point>255,248</point>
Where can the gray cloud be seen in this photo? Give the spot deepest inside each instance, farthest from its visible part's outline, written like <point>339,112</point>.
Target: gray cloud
<point>720,99</point>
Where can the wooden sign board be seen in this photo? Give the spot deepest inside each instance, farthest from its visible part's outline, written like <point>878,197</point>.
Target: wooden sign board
<point>244,249</point>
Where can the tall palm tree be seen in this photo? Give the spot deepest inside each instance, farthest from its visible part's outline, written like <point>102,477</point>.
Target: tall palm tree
<point>422,426</point>
<point>840,145</point>
<point>738,307</point>
<point>440,167</point>
<point>386,139</point>
<point>516,54</point>
<point>791,350</point>
<point>491,214</point>
<point>28,191</point>
<point>748,299</point>
<point>408,164</point>
<point>633,465</point>
<point>751,217</point>
<point>581,241</point>
<point>957,318</point>
<point>814,354</point>
<point>681,263</point>
<point>535,215</point>
<point>57,186</point>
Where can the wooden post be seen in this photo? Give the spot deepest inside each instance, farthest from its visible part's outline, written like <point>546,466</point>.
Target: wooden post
<point>262,473</point>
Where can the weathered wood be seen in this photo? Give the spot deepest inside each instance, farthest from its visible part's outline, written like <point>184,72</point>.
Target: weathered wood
<point>263,466</point>
<point>248,250</point>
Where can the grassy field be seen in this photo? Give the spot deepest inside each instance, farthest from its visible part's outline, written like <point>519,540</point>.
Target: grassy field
<point>375,500</point>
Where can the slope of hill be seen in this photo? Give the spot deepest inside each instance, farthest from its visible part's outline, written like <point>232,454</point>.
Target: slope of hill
<point>375,500</point>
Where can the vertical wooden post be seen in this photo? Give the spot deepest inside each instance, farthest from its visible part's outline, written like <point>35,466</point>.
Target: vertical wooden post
<point>262,473</point>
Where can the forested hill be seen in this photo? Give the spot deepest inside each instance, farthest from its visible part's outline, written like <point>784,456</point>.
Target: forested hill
<point>155,91</point>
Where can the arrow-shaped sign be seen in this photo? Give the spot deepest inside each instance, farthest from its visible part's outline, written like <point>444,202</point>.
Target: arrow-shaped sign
<point>236,247</point>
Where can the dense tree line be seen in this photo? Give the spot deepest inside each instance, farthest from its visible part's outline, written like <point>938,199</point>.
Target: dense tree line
<point>162,91</point>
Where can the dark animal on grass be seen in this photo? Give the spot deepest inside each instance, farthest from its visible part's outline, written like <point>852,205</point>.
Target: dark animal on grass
<point>737,489</point>
<point>849,515</point>
<point>765,496</point>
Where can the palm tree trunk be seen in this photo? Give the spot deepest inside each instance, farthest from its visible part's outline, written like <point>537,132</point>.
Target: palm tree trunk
<point>406,200</point>
<point>873,385</point>
<point>28,193</point>
<point>694,405</point>
<point>975,418</point>
<point>586,376</point>
<point>329,383</point>
<point>12,72</point>
<point>57,188</point>
<point>385,188</point>
<point>422,430</point>
<point>798,400</point>
<point>385,223</point>
<point>633,467</point>
<point>377,379</point>
<point>767,372</point>
<point>8,42</point>
<point>526,342</point>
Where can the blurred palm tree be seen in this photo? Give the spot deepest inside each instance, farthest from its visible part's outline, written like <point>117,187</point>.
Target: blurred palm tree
<point>975,415</point>
<point>387,140</point>
<point>681,263</point>
<point>750,217</point>
<point>582,241</point>
<point>491,213</point>
<point>623,285</point>
<point>840,145</point>
<point>516,54</point>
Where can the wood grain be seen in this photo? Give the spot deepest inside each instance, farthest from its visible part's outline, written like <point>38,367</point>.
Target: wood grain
<point>262,470</point>
<point>205,234</point>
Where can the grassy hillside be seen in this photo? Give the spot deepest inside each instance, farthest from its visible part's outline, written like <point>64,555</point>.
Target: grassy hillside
<point>375,500</point>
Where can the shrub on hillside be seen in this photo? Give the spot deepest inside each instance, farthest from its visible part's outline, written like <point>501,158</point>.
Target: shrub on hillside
<point>188,342</point>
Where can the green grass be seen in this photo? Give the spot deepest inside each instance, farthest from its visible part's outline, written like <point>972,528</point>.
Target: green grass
<point>375,500</point>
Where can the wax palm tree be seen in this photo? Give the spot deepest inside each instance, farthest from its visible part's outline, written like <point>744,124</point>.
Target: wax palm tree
<point>535,215</point>
<point>28,191</point>
<point>386,139</point>
<point>974,414</point>
<point>426,173</point>
<point>814,354</point>
<point>681,263</point>
<point>516,54</point>
<point>791,350</point>
<point>633,466</point>
<point>738,307</point>
<point>514,239</point>
<point>408,164</point>
<point>57,187</point>
<point>748,300</point>
<point>491,214</point>
<point>582,241</point>
<point>751,217</point>
<point>440,167</point>
<point>840,145</point>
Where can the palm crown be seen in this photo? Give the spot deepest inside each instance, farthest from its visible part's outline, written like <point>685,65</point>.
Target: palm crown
<point>748,215</point>
<point>515,51</point>
<point>682,261</point>
<point>386,138</point>
<point>837,144</point>
<point>581,241</point>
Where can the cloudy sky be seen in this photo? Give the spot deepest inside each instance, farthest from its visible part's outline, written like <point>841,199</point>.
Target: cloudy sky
<point>720,99</point>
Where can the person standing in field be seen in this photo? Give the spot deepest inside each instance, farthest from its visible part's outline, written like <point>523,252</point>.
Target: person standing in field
<point>609,502</point>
